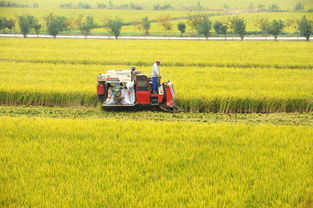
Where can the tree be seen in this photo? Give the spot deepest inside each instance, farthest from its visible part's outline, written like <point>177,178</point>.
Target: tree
<point>261,8</point>
<point>292,22</point>
<point>273,8</point>
<point>239,27</point>
<point>299,7</point>
<point>251,6</point>
<point>26,23</point>
<point>204,27</point>
<point>3,23</point>
<point>220,28</point>
<point>263,24</point>
<point>194,20</point>
<point>10,24</point>
<point>305,28</point>
<point>115,26</point>
<point>146,24</point>
<point>275,28</point>
<point>55,24</point>
<point>86,27</point>
<point>164,21</point>
<point>138,25</point>
<point>181,26</point>
<point>37,28</point>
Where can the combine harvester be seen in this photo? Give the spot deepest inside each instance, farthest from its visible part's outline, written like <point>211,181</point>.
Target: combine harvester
<point>130,88</point>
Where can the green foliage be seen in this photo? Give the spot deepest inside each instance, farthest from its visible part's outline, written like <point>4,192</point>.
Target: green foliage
<point>3,23</point>
<point>84,5</point>
<point>162,7</point>
<point>193,20</point>
<point>165,22</point>
<point>55,24</point>
<point>7,23</point>
<point>17,5</point>
<point>275,28</point>
<point>263,24</point>
<point>305,27</point>
<point>101,5</point>
<point>220,28</point>
<point>37,28</point>
<point>146,24</point>
<point>26,23</point>
<point>181,26</point>
<point>273,8</point>
<point>239,27</point>
<point>115,26</point>
<point>204,27</point>
<point>299,7</point>
<point>10,24</point>
<point>261,8</point>
<point>87,26</point>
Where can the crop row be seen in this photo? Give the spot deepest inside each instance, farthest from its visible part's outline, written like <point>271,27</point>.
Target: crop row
<point>108,163</point>
<point>171,53</point>
<point>198,88</point>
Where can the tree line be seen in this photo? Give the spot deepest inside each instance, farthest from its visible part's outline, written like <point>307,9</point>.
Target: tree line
<point>298,7</point>
<point>200,24</point>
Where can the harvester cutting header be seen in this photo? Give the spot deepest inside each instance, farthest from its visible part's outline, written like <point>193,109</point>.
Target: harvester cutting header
<point>120,88</point>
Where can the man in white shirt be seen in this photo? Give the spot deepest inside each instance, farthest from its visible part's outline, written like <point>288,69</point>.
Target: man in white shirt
<point>155,76</point>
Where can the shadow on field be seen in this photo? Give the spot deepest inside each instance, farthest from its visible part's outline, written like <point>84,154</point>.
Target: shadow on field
<point>132,109</point>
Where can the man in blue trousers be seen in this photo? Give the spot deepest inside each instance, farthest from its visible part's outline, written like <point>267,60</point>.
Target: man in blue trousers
<point>155,76</point>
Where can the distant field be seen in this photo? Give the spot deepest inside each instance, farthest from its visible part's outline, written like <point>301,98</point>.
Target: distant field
<point>99,15</point>
<point>178,4</point>
<point>134,15</point>
<point>108,163</point>
<point>172,53</point>
<point>238,78</point>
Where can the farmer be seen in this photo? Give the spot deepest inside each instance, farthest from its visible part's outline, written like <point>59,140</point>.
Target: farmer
<point>155,76</point>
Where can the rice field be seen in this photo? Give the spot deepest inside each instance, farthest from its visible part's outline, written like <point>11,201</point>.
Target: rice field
<point>245,139</point>
<point>208,76</point>
<point>108,163</point>
<point>172,53</point>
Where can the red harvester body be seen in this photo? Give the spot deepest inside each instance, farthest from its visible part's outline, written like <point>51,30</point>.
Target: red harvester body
<point>120,88</point>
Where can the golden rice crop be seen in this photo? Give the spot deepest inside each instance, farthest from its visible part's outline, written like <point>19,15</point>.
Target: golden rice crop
<point>208,76</point>
<point>107,163</point>
<point>198,88</point>
<point>171,53</point>
<point>99,15</point>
